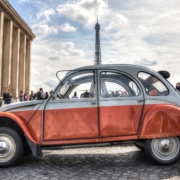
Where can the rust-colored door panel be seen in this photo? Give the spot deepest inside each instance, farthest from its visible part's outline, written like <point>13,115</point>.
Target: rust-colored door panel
<point>73,112</point>
<point>120,120</point>
<point>120,104</point>
<point>74,123</point>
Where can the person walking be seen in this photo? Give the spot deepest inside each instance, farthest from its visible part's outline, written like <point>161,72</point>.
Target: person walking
<point>46,95</point>
<point>75,95</point>
<point>0,102</point>
<point>178,87</point>
<point>31,96</point>
<point>39,94</point>
<point>35,96</point>
<point>4,97</point>
<point>25,97</point>
<point>8,98</point>
<point>21,96</point>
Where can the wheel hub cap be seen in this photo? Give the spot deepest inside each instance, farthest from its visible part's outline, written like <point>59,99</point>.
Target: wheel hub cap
<point>165,149</point>
<point>165,145</point>
<point>4,147</point>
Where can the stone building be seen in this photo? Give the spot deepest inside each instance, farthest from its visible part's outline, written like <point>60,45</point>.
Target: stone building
<point>15,51</point>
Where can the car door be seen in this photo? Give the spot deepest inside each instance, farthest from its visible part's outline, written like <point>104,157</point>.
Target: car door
<point>73,113</point>
<point>120,104</point>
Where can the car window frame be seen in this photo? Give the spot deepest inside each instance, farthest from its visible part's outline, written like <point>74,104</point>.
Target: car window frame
<point>76,72</point>
<point>161,80</point>
<point>139,86</point>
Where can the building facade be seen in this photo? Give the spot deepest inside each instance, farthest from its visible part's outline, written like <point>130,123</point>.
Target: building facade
<point>15,51</point>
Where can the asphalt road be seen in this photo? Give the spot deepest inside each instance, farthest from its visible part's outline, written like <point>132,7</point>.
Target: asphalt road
<point>105,163</point>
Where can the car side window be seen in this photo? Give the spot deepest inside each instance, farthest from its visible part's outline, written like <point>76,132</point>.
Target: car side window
<point>80,85</point>
<point>153,85</point>
<point>117,85</point>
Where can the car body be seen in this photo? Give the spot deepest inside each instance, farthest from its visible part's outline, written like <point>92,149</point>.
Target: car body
<point>113,103</point>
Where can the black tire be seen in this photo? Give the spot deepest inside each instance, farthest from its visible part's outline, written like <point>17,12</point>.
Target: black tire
<point>163,151</point>
<point>27,151</point>
<point>11,147</point>
<point>140,145</point>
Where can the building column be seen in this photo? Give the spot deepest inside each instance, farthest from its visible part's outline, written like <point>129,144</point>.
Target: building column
<point>22,63</point>
<point>1,47</point>
<point>7,53</point>
<point>28,65</point>
<point>15,62</point>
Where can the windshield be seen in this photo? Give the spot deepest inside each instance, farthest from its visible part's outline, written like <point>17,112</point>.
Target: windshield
<point>78,83</point>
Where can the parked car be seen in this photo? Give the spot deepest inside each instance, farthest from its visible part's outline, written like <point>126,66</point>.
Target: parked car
<point>111,104</point>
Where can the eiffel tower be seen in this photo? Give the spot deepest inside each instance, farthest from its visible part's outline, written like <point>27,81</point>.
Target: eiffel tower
<point>97,56</point>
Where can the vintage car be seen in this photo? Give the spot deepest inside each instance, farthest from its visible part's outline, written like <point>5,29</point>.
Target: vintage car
<point>97,105</point>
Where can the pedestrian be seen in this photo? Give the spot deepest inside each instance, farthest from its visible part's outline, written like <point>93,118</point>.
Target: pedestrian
<point>35,96</point>
<point>8,98</point>
<point>25,97</point>
<point>31,96</point>
<point>43,94</point>
<point>46,95</point>
<point>21,96</point>
<point>75,95</point>
<point>178,87</point>
<point>86,94</point>
<point>4,97</point>
<point>51,92</point>
<point>116,94</point>
<point>39,94</point>
<point>0,102</point>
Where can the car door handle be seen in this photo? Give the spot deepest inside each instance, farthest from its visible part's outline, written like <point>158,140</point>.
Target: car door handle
<point>93,102</point>
<point>140,100</point>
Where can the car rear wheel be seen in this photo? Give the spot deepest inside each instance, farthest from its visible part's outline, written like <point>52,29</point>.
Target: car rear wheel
<point>163,151</point>
<point>11,147</point>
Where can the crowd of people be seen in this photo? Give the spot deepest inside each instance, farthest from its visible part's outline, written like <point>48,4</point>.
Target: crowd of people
<point>7,96</point>
<point>33,96</point>
<point>86,94</point>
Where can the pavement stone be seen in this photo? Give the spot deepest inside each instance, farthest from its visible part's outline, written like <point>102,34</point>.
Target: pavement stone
<point>123,162</point>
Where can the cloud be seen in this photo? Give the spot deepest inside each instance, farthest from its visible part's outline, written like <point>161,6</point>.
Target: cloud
<point>146,62</point>
<point>46,14</point>
<point>66,27</point>
<point>65,51</point>
<point>50,82</point>
<point>51,55</point>
<point>45,29</point>
<point>61,45</point>
<point>135,32</point>
<point>117,22</point>
<point>84,11</point>
<point>34,72</point>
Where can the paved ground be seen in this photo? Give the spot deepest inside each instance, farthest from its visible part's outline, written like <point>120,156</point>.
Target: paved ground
<point>118,162</point>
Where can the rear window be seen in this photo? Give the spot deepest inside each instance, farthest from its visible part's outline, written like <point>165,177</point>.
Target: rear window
<point>152,85</point>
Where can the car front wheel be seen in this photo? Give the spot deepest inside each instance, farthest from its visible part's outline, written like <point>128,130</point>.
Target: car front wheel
<point>163,151</point>
<point>11,147</point>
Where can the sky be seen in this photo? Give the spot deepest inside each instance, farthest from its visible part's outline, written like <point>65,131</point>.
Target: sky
<point>140,32</point>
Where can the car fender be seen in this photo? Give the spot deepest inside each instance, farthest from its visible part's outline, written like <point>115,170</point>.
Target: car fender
<point>20,122</point>
<point>160,120</point>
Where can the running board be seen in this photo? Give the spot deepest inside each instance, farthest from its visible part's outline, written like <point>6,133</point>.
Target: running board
<point>59,147</point>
